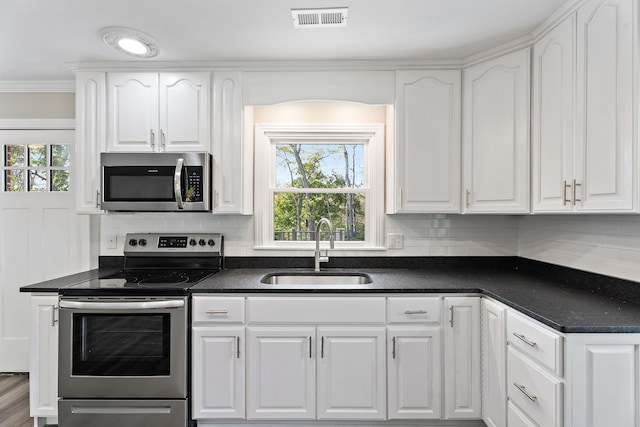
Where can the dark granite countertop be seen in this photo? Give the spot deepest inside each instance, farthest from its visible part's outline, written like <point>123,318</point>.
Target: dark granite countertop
<point>565,299</point>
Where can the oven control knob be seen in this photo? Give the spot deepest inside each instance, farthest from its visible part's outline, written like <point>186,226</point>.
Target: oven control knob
<point>133,242</point>
<point>202,242</point>
<point>142,242</point>
<point>192,242</point>
<point>211,242</point>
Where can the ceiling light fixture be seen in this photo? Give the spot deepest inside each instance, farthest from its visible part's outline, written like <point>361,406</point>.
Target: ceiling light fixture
<point>129,41</point>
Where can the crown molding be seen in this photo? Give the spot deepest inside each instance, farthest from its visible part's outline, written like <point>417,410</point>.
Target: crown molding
<point>20,124</point>
<point>38,86</point>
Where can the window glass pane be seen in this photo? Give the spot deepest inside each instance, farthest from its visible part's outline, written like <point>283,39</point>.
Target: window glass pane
<point>37,180</point>
<point>59,180</point>
<point>14,155</point>
<point>37,155</point>
<point>14,180</point>
<point>60,156</point>
<point>295,216</point>
<point>319,165</point>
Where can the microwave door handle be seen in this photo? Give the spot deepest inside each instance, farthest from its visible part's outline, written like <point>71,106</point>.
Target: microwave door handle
<point>177,183</point>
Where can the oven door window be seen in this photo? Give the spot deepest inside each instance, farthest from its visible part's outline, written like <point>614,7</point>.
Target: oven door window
<point>121,344</point>
<point>136,183</point>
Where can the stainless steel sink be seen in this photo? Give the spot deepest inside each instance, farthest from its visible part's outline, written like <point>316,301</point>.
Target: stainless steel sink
<point>316,278</point>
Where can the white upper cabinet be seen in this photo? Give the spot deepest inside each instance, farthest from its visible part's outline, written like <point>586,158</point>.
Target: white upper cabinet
<point>552,118</point>
<point>496,135</point>
<point>424,173</point>
<point>606,144</point>
<point>90,139</point>
<point>158,112</point>
<point>232,154</point>
<point>584,147</point>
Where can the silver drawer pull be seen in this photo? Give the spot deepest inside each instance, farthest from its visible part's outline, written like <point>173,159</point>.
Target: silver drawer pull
<point>525,340</point>
<point>216,311</point>
<point>523,389</point>
<point>415,312</point>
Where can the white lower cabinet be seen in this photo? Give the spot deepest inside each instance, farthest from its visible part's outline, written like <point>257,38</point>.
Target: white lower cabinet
<point>494,373</point>
<point>414,371</point>
<point>462,386</point>
<point>43,370</point>
<point>281,381</point>
<point>218,359</point>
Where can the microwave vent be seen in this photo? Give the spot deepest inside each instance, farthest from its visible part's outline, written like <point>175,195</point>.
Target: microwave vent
<point>319,18</point>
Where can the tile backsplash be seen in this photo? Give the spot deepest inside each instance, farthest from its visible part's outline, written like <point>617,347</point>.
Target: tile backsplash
<point>423,235</point>
<point>606,244</point>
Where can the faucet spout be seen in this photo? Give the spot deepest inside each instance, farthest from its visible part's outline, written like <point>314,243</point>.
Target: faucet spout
<point>318,257</point>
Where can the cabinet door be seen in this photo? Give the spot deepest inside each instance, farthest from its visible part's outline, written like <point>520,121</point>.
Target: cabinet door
<point>184,112</point>
<point>494,373</point>
<point>232,158</point>
<point>427,155</point>
<point>496,135</point>
<point>462,387</point>
<point>414,370</point>
<point>351,373</point>
<point>90,139</point>
<point>218,372</point>
<point>552,119</point>
<point>602,380</point>
<point>43,370</point>
<point>133,112</point>
<point>281,383</point>
<point>605,137</point>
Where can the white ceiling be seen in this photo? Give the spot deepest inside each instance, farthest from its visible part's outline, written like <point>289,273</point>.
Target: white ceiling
<point>39,37</point>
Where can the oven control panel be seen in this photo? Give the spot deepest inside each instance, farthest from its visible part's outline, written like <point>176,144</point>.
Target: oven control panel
<point>188,244</point>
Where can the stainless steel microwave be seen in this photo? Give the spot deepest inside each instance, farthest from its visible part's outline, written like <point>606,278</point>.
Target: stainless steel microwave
<point>156,182</point>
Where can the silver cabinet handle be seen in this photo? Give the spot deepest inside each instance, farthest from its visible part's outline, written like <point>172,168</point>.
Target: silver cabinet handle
<point>523,389</point>
<point>322,348</point>
<point>409,312</point>
<point>467,193</point>
<point>575,185</point>
<point>564,193</point>
<point>393,347</point>
<point>310,352</point>
<point>53,316</point>
<point>525,340</point>
<point>216,311</point>
<point>177,183</point>
<point>237,347</point>
<point>152,137</point>
<point>451,316</point>
<point>163,142</point>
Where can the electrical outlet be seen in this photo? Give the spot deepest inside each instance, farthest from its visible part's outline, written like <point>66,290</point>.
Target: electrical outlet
<point>395,241</point>
<point>112,242</point>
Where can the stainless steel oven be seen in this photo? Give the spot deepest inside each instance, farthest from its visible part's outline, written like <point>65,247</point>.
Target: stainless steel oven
<point>128,356</point>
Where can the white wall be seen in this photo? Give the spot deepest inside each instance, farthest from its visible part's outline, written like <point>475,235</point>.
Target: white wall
<point>606,244</point>
<point>424,235</point>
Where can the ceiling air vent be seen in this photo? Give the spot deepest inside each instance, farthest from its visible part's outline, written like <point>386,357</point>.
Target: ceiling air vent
<point>319,18</point>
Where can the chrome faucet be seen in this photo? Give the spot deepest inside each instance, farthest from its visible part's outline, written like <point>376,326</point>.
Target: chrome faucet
<point>318,256</point>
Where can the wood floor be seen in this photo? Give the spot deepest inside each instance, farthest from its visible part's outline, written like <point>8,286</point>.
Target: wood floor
<point>14,401</point>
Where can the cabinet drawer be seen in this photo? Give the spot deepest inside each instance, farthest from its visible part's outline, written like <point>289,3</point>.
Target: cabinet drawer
<point>536,392</point>
<point>303,310</point>
<point>535,341</point>
<point>515,417</point>
<point>218,309</point>
<point>414,310</point>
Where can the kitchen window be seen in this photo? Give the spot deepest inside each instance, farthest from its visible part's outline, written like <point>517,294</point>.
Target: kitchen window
<point>36,167</point>
<point>307,172</point>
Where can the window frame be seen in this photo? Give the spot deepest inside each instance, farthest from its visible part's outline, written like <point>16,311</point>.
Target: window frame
<point>267,136</point>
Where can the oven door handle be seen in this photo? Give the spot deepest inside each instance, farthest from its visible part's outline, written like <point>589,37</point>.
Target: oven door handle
<point>177,183</point>
<point>137,305</point>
